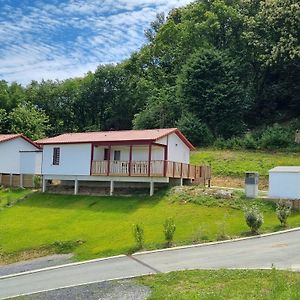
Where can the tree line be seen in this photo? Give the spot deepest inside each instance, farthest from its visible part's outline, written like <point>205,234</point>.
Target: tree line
<point>216,69</point>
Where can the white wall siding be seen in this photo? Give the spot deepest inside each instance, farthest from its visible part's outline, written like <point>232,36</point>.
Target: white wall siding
<point>74,160</point>
<point>178,151</point>
<point>284,185</point>
<point>10,154</point>
<point>31,162</point>
<point>139,153</point>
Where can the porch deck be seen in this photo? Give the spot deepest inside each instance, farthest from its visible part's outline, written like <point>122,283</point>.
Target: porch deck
<point>154,168</point>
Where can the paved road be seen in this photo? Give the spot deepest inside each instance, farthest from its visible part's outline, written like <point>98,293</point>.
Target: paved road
<point>281,250</point>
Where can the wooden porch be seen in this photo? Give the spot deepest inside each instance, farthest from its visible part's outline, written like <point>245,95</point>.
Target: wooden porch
<point>153,168</point>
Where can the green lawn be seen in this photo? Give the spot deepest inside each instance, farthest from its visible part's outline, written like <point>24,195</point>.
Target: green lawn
<point>9,196</point>
<point>235,163</point>
<point>224,284</point>
<point>93,226</point>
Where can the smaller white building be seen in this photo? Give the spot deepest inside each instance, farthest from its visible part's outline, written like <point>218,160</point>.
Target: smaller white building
<point>284,182</point>
<point>20,159</point>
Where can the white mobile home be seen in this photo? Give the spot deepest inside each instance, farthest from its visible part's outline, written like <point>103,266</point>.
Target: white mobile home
<point>18,156</point>
<point>153,156</point>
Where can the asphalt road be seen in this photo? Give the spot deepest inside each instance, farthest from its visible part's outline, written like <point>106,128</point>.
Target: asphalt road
<point>280,250</point>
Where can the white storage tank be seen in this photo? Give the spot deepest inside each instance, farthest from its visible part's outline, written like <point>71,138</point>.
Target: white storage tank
<point>284,182</point>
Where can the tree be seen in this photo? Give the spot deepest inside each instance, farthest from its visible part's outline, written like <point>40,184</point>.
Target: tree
<point>211,88</point>
<point>29,120</point>
<point>196,131</point>
<point>3,121</point>
<point>161,111</point>
<point>272,29</point>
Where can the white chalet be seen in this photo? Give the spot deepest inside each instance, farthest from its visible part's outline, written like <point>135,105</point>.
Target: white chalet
<point>18,156</point>
<point>132,156</point>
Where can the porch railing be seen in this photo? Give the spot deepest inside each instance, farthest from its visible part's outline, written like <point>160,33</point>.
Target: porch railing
<point>157,168</point>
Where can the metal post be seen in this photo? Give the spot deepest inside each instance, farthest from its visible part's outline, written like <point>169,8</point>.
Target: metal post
<point>21,180</point>
<point>151,188</point>
<point>44,185</point>
<point>76,187</point>
<point>112,187</point>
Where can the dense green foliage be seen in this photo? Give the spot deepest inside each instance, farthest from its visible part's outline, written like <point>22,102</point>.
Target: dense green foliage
<point>216,69</point>
<point>223,284</point>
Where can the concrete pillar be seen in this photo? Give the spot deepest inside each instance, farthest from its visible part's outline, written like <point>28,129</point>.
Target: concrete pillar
<point>44,185</point>
<point>151,188</point>
<point>112,187</point>
<point>76,187</point>
<point>181,182</point>
<point>21,180</point>
<point>10,179</point>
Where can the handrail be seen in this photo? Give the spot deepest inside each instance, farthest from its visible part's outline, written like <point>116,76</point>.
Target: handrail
<point>158,168</point>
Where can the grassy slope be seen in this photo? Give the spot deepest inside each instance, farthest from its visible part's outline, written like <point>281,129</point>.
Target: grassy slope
<point>235,163</point>
<point>105,223</point>
<point>8,196</point>
<point>224,284</point>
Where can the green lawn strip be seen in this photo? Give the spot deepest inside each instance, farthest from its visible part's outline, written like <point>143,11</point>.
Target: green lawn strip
<point>91,226</point>
<point>224,284</point>
<point>9,196</point>
<point>236,163</point>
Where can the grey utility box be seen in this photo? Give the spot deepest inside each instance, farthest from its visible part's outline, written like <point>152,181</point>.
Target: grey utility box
<point>251,184</point>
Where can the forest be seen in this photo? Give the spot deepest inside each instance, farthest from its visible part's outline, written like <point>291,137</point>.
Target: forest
<point>225,72</point>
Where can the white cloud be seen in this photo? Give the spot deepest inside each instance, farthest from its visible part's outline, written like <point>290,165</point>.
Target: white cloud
<point>71,38</point>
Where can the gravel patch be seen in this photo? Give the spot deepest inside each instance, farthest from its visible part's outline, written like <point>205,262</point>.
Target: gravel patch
<point>37,263</point>
<point>111,290</point>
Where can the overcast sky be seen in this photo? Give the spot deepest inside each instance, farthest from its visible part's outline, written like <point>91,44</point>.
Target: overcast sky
<point>62,39</point>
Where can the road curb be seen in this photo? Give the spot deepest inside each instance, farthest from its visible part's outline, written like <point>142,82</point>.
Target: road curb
<point>62,266</point>
<point>218,242</point>
<point>149,252</point>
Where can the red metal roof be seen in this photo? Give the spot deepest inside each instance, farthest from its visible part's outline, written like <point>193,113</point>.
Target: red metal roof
<point>149,135</point>
<point>8,137</point>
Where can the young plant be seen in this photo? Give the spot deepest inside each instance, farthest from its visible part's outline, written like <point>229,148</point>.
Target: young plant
<point>254,218</point>
<point>169,230</point>
<point>283,211</point>
<point>138,233</point>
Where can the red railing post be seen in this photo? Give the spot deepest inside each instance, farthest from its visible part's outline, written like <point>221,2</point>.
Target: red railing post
<point>108,160</point>
<point>149,160</point>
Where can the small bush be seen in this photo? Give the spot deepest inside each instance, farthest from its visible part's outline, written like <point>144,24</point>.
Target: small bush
<point>283,211</point>
<point>138,233</point>
<point>276,137</point>
<point>254,218</point>
<point>169,230</point>
<point>37,181</point>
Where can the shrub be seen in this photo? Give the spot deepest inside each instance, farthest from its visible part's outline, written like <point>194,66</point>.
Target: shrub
<point>276,137</point>
<point>254,218</point>
<point>169,230</point>
<point>138,233</point>
<point>37,181</point>
<point>283,211</point>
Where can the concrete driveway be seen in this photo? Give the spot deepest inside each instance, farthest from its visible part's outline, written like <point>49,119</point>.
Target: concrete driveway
<point>279,250</point>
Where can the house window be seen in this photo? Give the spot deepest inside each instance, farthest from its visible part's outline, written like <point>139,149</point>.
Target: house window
<point>56,156</point>
<point>106,154</point>
<point>117,155</point>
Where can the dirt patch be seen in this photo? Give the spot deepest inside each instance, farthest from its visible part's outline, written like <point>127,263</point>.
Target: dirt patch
<point>23,256</point>
<point>237,182</point>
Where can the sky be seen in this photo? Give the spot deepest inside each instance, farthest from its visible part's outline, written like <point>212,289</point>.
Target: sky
<point>62,39</point>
